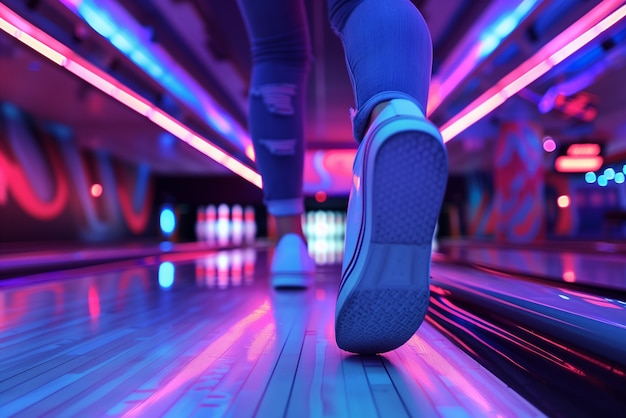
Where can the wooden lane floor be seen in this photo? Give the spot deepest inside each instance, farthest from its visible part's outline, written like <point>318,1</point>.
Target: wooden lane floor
<point>209,337</point>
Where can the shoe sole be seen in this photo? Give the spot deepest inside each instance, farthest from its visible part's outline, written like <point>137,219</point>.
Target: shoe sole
<point>382,308</point>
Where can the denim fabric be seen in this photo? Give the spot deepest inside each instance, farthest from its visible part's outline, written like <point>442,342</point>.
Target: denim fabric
<point>388,52</point>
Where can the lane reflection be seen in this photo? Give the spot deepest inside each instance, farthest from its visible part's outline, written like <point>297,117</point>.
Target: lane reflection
<point>596,269</point>
<point>224,269</point>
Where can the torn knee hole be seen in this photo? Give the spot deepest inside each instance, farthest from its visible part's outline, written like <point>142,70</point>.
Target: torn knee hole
<point>278,98</point>
<point>280,146</point>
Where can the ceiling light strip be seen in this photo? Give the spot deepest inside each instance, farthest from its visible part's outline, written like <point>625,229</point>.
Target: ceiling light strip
<point>497,26</point>
<point>58,53</point>
<point>111,21</point>
<point>583,31</point>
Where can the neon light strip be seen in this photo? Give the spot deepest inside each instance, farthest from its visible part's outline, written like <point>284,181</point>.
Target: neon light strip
<point>567,164</point>
<point>490,38</point>
<point>21,33</point>
<point>58,53</point>
<point>583,31</point>
<point>109,19</point>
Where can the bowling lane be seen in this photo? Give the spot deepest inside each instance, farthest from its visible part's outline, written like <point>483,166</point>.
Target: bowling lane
<point>586,266</point>
<point>561,348</point>
<point>188,335</point>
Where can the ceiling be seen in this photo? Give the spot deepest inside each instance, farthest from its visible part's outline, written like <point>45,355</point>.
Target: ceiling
<point>206,38</point>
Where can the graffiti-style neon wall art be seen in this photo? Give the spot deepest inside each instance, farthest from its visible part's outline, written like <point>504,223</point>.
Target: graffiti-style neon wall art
<point>519,183</point>
<point>31,167</point>
<point>46,186</point>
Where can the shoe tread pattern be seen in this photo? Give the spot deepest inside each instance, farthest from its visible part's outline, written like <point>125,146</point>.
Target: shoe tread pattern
<point>390,301</point>
<point>406,211</point>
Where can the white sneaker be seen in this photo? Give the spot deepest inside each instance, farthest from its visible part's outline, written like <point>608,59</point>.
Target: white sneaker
<point>292,266</point>
<point>400,174</point>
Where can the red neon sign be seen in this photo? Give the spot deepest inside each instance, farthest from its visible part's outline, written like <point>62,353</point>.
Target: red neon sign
<point>569,164</point>
<point>583,150</point>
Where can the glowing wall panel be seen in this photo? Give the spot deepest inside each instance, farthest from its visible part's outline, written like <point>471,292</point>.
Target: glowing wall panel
<point>519,183</point>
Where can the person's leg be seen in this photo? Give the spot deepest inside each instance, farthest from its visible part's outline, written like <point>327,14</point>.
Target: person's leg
<point>400,173</point>
<point>388,53</point>
<point>281,55</point>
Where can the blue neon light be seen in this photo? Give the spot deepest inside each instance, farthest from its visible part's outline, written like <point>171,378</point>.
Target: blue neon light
<point>167,221</point>
<point>609,173</point>
<point>590,177</point>
<point>602,180</point>
<point>166,275</point>
<point>121,42</point>
<point>144,62</point>
<point>102,21</point>
<point>494,35</point>
<point>619,178</point>
<point>97,19</point>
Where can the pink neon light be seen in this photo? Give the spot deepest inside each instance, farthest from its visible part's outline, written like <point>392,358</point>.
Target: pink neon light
<point>28,40</point>
<point>74,3</point>
<point>470,115</point>
<point>525,79</point>
<point>40,47</point>
<point>89,76</point>
<point>250,152</point>
<point>580,150</point>
<point>572,47</point>
<point>583,31</point>
<point>58,53</point>
<point>567,164</point>
<point>23,193</point>
<point>549,145</point>
<point>170,124</point>
<point>7,27</point>
<point>133,102</point>
<point>221,157</point>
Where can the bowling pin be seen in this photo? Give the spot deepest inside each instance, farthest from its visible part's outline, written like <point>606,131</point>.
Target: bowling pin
<point>249,225</point>
<point>200,224</point>
<point>237,225</point>
<point>210,224</point>
<point>320,224</point>
<point>223,224</point>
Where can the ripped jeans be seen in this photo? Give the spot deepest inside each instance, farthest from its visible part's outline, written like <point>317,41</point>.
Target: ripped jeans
<point>388,53</point>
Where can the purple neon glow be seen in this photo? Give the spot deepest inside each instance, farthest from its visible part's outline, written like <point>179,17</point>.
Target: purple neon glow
<point>112,22</point>
<point>491,34</point>
<point>39,41</point>
<point>583,31</point>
